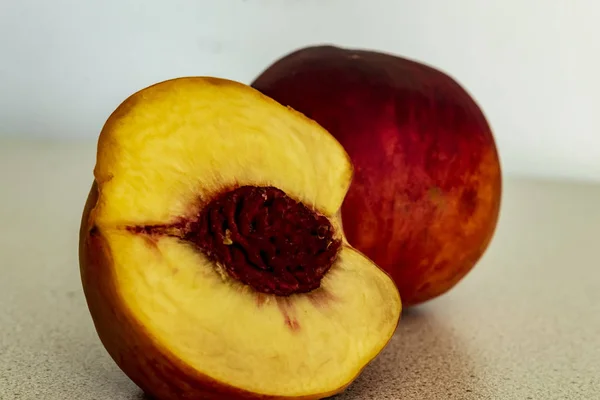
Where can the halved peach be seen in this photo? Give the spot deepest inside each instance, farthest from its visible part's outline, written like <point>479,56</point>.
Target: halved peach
<point>212,253</point>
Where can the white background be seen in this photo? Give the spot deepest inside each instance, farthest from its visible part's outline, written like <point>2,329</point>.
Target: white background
<point>533,65</point>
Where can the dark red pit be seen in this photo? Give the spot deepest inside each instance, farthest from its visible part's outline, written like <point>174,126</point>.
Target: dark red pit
<point>262,237</point>
<point>265,239</point>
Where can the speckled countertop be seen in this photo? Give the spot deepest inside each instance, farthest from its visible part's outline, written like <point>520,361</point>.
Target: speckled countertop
<point>525,324</point>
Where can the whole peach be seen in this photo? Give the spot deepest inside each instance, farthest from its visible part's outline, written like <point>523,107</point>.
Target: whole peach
<point>425,198</point>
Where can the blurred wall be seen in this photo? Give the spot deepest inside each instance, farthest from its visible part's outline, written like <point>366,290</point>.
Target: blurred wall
<point>533,65</point>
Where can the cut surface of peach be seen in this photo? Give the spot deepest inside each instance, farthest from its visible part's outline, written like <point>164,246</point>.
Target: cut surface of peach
<point>214,238</point>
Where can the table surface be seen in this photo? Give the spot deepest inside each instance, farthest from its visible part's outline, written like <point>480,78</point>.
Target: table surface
<point>524,324</point>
